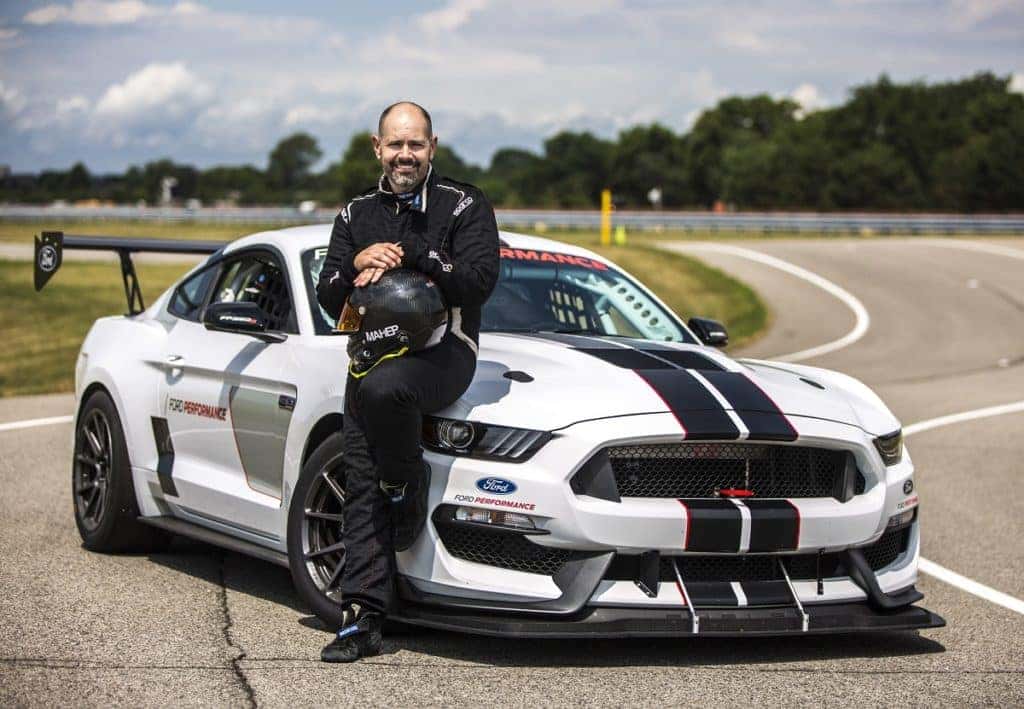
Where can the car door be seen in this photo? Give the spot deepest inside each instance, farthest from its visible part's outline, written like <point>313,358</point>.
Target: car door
<point>228,398</point>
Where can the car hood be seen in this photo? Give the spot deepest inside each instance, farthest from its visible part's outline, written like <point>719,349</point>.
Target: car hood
<point>549,381</point>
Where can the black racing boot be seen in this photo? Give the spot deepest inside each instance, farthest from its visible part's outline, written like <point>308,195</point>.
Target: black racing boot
<point>408,508</point>
<point>359,636</point>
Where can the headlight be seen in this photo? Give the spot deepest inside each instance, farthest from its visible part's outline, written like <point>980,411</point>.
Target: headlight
<point>890,447</point>
<point>479,440</point>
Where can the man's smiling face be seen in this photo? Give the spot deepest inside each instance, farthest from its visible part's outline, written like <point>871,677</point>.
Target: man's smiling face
<point>404,147</point>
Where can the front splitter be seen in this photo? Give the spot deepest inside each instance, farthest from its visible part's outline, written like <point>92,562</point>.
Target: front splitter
<point>607,622</point>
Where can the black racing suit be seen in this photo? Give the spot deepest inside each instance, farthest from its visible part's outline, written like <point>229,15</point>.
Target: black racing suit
<point>448,232</point>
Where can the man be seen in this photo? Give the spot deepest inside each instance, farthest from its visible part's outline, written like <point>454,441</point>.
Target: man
<point>414,219</point>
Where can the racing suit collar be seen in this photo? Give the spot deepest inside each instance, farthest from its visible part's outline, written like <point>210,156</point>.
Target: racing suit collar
<point>420,203</point>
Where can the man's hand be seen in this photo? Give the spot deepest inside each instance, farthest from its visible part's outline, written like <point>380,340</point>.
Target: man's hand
<point>382,255</point>
<point>368,276</point>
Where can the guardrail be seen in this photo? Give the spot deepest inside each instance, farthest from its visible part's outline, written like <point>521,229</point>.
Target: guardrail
<point>539,220</point>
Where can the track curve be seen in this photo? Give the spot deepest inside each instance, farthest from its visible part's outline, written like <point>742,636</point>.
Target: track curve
<point>201,626</point>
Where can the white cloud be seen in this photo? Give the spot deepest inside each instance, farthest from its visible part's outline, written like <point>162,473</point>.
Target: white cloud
<point>68,107</point>
<point>12,102</point>
<point>306,114</point>
<point>450,17</point>
<point>154,94</point>
<point>1017,83</point>
<point>744,40</point>
<point>7,33</point>
<point>809,98</point>
<point>969,13</point>
<point>92,12</point>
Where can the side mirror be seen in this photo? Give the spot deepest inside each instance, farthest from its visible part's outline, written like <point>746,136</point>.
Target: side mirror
<point>241,319</point>
<point>710,332</point>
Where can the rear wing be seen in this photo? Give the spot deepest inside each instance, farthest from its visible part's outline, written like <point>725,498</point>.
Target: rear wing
<point>49,255</point>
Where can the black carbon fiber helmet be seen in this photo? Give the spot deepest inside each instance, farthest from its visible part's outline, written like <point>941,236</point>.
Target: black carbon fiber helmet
<point>402,312</point>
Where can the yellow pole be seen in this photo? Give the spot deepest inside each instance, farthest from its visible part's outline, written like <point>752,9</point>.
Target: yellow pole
<point>606,217</point>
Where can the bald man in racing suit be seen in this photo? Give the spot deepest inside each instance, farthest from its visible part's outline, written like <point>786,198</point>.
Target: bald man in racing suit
<point>416,219</point>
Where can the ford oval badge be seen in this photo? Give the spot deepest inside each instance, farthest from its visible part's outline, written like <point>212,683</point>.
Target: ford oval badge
<point>496,486</point>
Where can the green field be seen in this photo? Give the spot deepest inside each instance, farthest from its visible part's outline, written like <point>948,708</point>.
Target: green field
<point>41,332</point>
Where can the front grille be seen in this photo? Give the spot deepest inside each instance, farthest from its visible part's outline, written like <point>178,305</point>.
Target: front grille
<point>502,548</point>
<point>698,470</point>
<point>746,567</point>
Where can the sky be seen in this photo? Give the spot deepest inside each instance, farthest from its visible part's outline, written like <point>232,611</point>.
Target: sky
<point>114,83</point>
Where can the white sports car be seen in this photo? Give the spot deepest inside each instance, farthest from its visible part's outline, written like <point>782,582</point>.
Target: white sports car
<point>608,473</point>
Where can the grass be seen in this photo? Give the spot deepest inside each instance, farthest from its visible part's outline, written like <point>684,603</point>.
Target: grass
<point>13,232</point>
<point>42,332</point>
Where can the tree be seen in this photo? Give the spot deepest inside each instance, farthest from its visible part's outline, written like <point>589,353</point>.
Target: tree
<point>514,178</point>
<point>731,121</point>
<point>576,168</point>
<point>291,159</point>
<point>646,157</point>
<point>357,172</point>
<point>448,163</point>
<point>874,177</point>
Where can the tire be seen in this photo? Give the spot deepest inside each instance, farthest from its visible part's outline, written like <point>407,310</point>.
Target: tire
<point>102,492</point>
<point>320,490</point>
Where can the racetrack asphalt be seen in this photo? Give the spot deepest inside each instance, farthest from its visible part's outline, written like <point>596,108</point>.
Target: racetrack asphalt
<point>201,626</point>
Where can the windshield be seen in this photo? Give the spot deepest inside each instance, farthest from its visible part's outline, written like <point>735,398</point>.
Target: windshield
<point>544,291</point>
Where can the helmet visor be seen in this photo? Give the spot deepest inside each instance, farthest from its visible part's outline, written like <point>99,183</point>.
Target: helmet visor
<point>350,320</point>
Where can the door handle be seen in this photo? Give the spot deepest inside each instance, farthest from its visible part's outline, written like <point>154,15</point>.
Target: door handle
<point>175,359</point>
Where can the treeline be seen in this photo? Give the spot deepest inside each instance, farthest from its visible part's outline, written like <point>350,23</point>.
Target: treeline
<point>955,146</point>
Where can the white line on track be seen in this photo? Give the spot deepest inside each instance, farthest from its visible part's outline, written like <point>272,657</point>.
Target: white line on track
<point>860,313</point>
<point>941,572</point>
<point>32,423</point>
<point>982,246</point>
<point>973,587</point>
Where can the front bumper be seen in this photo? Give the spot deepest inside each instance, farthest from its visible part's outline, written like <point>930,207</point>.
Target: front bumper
<point>544,583</point>
<point>593,622</point>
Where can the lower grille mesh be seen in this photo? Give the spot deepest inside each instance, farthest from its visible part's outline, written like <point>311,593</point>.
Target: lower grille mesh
<point>502,548</point>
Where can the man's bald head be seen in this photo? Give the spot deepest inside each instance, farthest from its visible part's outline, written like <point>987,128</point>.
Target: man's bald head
<point>405,144</point>
<point>405,106</point>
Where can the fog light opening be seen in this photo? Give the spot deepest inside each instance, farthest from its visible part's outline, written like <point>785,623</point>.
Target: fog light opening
<point>902,519</point>
<point>498,518</point>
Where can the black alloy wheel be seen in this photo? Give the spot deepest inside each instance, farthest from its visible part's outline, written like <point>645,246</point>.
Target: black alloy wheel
<point>323,549</point>
<point>91,473</point>
<point>106,509</point>
<point>316,552</point>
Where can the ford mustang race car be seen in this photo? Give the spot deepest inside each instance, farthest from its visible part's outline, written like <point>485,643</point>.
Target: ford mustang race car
<point>609,472</point>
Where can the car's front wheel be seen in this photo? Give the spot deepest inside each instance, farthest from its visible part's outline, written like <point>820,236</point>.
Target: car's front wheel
<point>316,552</point>
<point>106,510</point>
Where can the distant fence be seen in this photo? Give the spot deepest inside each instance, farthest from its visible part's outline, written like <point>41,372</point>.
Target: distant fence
<point>539,220</point>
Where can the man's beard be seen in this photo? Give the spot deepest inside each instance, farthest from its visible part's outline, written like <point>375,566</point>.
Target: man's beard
<point>403,182</point>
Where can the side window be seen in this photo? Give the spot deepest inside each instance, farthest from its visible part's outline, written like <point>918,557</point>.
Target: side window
<point>257,278</point>
<point>187,300</point>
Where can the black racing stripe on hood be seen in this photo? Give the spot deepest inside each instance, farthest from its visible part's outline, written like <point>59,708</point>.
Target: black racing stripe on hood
<point>630,355</point>
<point>757,411</point>
<point>696,409</point>
<point>685,359</point>
<point>627,359</point>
